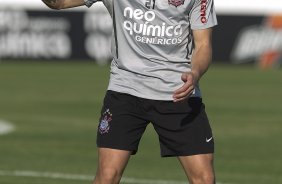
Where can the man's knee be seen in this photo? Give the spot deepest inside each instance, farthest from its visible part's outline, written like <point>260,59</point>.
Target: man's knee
<point>111,165</point>
<point>203,178</point>
<point>108,175</point>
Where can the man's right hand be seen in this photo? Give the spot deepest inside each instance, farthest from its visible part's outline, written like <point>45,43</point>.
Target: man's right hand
<point>62,4</point>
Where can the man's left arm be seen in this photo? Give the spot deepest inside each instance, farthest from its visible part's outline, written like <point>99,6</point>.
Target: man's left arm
<point>201,59</point>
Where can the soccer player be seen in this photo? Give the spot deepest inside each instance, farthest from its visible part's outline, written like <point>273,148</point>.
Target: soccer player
<point>161,49</point>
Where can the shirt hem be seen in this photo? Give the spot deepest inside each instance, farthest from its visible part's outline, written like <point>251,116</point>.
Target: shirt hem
<point>139,95</point>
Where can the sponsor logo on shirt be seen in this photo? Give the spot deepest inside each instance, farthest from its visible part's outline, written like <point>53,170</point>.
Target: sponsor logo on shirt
<point>176,3</point>
<point>262,43</point>
<point>203,11</point>
<point>140,24</point>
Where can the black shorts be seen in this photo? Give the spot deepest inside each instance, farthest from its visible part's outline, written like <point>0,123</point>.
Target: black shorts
<point>183,127</point>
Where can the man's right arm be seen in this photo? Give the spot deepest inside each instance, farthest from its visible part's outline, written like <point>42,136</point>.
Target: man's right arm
<point>63,4</point>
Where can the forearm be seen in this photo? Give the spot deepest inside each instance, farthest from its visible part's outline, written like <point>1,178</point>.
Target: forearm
<point>200,63</point>
<point>201,60</point>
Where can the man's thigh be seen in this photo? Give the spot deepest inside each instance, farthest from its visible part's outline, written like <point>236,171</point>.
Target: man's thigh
<point>113,158</point>
<point>122,122</point>
<point>183,128</point>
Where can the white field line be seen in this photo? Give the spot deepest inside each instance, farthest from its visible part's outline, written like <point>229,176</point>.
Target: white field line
<point>6,127</point>
<point>64,176</point>
<point>80,177</point>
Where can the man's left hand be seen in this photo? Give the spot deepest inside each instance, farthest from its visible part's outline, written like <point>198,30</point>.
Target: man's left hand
<point>190,80</point>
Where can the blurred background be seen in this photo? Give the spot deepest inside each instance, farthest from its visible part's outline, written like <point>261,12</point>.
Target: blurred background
<point>54,69</point>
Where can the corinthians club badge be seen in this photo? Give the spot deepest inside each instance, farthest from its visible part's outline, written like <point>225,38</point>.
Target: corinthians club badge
<point>176,3</point>
<point>104,126</point>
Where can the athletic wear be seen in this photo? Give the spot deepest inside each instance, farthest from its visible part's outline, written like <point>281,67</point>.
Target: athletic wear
<point>183,127</point>
<point>152,44</point>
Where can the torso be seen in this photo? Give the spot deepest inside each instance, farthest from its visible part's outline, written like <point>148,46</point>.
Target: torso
<point>152,46</point>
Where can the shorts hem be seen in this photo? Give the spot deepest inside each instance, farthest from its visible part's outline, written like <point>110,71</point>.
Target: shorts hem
<point>133,152</point>
<point>186,154</point>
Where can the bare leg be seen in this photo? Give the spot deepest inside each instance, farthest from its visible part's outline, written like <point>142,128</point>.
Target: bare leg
<point>111,165</point>
<point>198,168</point>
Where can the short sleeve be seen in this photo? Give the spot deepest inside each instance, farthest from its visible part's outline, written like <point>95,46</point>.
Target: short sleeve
<point>203,15</point>
<point>89,3</point>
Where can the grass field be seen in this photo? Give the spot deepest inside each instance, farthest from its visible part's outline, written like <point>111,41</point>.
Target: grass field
<point>55,110</point>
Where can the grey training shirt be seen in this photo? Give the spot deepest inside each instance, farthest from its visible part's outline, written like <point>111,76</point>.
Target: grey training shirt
<point>152,44</point>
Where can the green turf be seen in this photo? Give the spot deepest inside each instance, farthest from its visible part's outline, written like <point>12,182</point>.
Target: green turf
<point>55,108</point>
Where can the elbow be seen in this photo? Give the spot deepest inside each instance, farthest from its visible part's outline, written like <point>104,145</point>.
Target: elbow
<point>55,6</point>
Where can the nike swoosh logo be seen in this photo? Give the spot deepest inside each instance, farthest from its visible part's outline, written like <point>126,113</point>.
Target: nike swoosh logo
<point>208,140</point>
